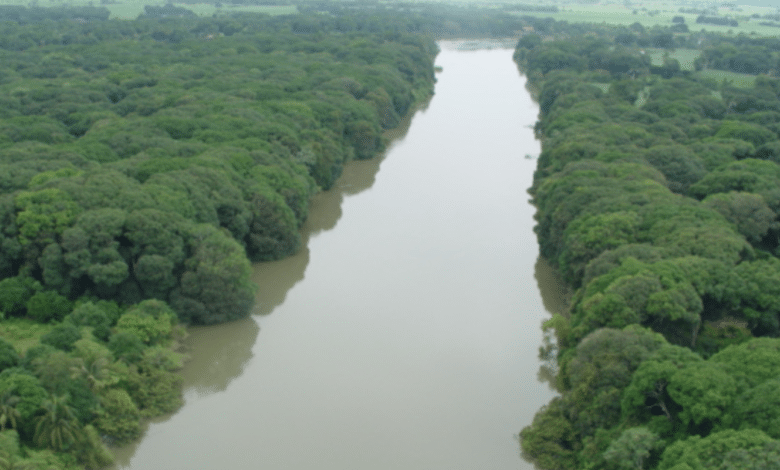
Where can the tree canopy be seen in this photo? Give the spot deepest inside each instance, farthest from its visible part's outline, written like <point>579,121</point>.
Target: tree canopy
<point>657,197</point>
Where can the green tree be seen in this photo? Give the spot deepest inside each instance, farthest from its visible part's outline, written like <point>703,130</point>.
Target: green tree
<point>10,451</point>
<point>702,453</point>
<point>759,408</point>
<point>765,457</point>
<point>126,346</point>
<point>57,427</point>
<point>20,383</point>
<point>119,417</point>
<point>15,292</point>
<point>48,305</point>
<point>9,415</point>
<point>751,363</point>
<point>62,336</point>
<point>632,449</point>
<point>215,286</point>
<point>8,355</point>
<point>748,212</point>
<point>92,315</point>
<point>753,133</point>
<point>705,391</point>
<point>752,292</point>
<point>94,365</point>
<point>44,214</point>
<point>589,236</point>
<point>151,320</point>
<point>680,166</point>
<point>550,441</point>
<point>90,449</point>
<point>647,395</point>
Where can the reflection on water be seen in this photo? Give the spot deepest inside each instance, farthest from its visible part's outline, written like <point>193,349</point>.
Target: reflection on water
<point>556,297</point>
<point>555,293</point>
<point>274,279</point>
<point>218,355</point>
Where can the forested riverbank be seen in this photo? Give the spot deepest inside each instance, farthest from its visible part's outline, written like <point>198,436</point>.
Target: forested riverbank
<point>404,334</point>
<point>657,196</point>
<point>143,165</point>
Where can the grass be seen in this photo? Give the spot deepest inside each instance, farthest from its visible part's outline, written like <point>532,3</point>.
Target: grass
<point>125,11</point>
<point>648,16</point>
<point>739,80</point>
<point>658,13</point>
<point>684,56</point>
<point>132,10</point>
<point>22,333</point>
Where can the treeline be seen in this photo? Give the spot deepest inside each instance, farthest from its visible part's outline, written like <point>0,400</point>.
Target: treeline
<point>24,15</point>
<point>433,19</point>
<point>717,20</point>
<point>658,200</point>
<point>143,165</point>
<point>534,8</point>
<point>741,54</point>
<point>167,11</point>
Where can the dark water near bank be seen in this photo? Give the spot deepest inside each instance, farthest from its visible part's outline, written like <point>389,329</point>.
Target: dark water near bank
<point>405,335</point>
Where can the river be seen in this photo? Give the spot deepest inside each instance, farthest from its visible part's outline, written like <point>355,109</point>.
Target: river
<point>405,334</point>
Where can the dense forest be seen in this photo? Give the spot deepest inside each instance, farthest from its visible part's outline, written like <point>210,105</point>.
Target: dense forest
<point>658,195</point>
<point>143,165</point>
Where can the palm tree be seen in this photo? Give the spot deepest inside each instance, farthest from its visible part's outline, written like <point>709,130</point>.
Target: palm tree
<point>58,427</point>
<point>8,412</point>
<point>95,371</point>
<point>12,462</point>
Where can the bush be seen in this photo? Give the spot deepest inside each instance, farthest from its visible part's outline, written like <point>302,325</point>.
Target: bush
<point>89,314</point>
<point>62,337</point>
<point>15,292</point>
<point>47,306</point>
<point>126,346</point>
<point>8,355</point>
<point>120,417</point>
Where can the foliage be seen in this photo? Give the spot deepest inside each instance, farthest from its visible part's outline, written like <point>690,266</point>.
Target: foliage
<point>9,357</point>
<point>119,417</point>
<point>632,448</point>
<point>143,164</point>
<point>47,305</point>
<point>15,292</point>
<point>62,336</point>
<point>30,393</point>
<point>57,427</point>
<point>657,199</point>
<point>151,320</point>
<point>700,453</point>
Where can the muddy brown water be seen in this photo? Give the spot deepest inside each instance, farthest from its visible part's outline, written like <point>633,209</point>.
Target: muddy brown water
<point>405,334</point>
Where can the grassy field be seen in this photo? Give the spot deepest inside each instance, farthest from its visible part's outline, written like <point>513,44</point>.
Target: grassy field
<point>652,14</point>
<point>684,56</point>
<point>740,80</point>
<point>131,9</point>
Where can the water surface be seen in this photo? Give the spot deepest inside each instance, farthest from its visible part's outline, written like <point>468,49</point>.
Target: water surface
<point>404,336</point>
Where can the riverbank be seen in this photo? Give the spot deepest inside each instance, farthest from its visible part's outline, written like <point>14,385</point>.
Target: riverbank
<point>409,321</point>
<point>637,209</point>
